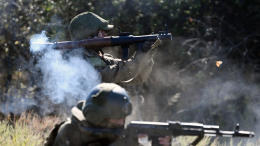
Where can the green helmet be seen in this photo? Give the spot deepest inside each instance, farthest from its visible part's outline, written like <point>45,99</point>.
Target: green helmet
<point>106,101</point>
<point>85,24</point>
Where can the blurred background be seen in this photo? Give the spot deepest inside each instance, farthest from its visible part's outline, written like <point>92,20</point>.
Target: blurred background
<point>185,84</point>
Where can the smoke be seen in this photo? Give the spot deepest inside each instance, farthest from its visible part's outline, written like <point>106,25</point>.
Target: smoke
<point>17,103</point>
<point>201,92</point>
<point>64,81</point>
<point>41,38</point>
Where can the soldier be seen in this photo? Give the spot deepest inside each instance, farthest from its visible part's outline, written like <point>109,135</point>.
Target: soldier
<point>106,106</point>
<point>135,70</point>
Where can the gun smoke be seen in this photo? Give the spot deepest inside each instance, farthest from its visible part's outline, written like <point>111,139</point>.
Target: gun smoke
<point>200,91</point>
<point>64,81</point>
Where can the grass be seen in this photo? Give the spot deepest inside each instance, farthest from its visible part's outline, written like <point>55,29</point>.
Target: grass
<point>32,130</point>
<point>27,131</point>
<point>214,141</point>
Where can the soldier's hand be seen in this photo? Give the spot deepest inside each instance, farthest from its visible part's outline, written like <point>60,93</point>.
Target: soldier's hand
<point>165,141</point>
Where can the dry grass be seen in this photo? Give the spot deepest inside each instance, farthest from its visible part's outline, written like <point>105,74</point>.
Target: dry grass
<point>207,141</point>
<point>29,130</point>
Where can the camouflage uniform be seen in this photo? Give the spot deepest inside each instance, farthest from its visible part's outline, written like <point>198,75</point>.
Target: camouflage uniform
<point>132,71</point>
<point>135,70</point>
<point>71,133</point>
<point>105,101</point>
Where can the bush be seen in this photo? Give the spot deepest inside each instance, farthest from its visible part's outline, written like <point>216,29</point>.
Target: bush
<point>27,131</point>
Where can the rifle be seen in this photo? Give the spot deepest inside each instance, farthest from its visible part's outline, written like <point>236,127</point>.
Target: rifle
<point>174,128</point>
<point>124,40</point>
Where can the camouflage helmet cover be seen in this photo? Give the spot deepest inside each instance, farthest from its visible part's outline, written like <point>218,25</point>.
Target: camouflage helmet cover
<point>105,101</point>
<point>85,24</point>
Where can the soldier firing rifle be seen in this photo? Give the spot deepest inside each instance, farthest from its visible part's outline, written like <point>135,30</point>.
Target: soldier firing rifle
<point>100,119</point>
<point>89,31</point>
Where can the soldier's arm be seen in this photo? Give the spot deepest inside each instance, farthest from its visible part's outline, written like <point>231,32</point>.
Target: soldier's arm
<point>143,75</point>
<point>139,66</point>
<point>68,135</point>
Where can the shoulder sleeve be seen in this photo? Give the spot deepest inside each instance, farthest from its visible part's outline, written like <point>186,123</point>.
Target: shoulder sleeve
<point>142,76</point>
<point>68,135</point>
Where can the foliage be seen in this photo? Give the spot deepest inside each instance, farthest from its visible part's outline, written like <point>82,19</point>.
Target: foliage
<point>29,130</point>
<point>230,25</point>
<point>208,141</point>
<point>205,31</point>
<point>21,136</point>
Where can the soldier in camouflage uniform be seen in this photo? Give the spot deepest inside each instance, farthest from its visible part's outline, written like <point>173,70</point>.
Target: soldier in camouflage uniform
<point>132,71</point>
<point>106,106</point>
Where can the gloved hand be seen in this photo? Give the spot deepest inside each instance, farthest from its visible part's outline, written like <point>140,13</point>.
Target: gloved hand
<point>144,57</point>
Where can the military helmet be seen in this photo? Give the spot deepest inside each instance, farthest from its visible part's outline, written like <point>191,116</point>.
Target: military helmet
<point>85,24</point>
<point>106,101</point>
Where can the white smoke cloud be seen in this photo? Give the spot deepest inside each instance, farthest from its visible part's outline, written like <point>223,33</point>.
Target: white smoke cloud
<point>40,38</point>
<point>17,105</point>
<point>64,81</point>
